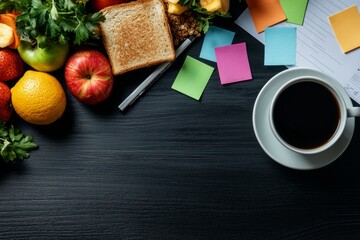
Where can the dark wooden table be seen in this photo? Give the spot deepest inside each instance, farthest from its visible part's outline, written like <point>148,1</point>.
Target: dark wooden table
<point>174,168</point>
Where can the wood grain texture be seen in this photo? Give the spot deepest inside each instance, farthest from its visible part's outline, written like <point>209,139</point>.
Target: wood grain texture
<point>174,168</point>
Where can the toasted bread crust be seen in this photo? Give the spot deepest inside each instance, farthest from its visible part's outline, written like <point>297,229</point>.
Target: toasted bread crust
<point>137,35</point>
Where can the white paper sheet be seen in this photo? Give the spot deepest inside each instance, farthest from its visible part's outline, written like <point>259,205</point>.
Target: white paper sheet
<point>317,46</point>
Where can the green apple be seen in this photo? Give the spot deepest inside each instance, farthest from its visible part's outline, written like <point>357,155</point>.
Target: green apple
<point>47,59</point>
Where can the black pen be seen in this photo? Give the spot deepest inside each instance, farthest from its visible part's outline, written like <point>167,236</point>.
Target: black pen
<point>146,84</point>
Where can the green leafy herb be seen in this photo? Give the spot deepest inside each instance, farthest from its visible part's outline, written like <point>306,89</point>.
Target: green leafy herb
<point>60,21</point>
<point>203,16</point>
<point>14,145</point>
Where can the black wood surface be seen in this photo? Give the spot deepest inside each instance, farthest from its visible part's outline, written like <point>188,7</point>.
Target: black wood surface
<point>174,168</point>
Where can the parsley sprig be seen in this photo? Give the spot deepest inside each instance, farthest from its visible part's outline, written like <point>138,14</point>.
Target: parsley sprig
<point>203,16</point>
<point>60,21</point>
<point>14,145</point>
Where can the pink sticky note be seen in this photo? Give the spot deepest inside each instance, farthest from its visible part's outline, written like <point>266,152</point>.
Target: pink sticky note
<point>233,63</point>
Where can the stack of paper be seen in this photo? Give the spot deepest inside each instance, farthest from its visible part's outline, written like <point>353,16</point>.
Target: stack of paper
<point>317,45</point>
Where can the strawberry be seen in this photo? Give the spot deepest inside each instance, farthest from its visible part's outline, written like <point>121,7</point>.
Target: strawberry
<point>5,95</point>
<point>5,99</point>
<point>11,65</point>
<point>6,113</point>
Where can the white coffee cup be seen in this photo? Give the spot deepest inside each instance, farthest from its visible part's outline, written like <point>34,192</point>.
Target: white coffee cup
<point>308,115</point>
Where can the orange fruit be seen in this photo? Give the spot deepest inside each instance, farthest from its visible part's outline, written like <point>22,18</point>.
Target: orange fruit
<point>38,98</point>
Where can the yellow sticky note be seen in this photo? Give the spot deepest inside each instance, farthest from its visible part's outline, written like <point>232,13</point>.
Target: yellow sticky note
<point>265,13</point>
<point>346,26</point>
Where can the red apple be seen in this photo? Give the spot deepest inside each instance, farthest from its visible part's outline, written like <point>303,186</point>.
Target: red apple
<point>97,5</point>
<point>88,76</point>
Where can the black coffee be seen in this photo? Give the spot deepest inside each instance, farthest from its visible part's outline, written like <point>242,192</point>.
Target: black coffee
<point>306,115</point>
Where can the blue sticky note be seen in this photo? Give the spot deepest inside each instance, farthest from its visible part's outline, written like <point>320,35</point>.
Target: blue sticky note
<point>280,46</point>
<point>215,37</point>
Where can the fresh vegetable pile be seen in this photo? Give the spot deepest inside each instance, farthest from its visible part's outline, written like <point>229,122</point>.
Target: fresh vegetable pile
<point>39,33</point>
<point>61,21</point>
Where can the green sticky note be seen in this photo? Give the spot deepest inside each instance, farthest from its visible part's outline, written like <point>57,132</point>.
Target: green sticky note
<point>192,78</point>
<point>294,10</point>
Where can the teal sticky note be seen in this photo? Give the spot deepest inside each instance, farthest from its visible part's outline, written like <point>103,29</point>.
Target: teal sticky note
<point>192,78</point>
<point>215,37</point>
<point>280,46</point>
<point>294,10</point>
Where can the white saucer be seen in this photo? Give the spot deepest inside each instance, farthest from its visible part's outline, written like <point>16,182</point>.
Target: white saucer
<point>269,142</point>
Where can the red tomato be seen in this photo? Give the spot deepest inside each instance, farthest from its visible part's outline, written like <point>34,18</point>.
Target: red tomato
<point>97,5</point>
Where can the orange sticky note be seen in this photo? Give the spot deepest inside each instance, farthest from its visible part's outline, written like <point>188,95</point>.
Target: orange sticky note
<point>346,26</point>
<point>265,13</point>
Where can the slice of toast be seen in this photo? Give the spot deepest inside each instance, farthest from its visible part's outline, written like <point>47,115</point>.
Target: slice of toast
<point>137,35</point>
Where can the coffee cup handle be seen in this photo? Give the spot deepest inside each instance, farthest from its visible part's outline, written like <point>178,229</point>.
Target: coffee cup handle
<point>353,112</point>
